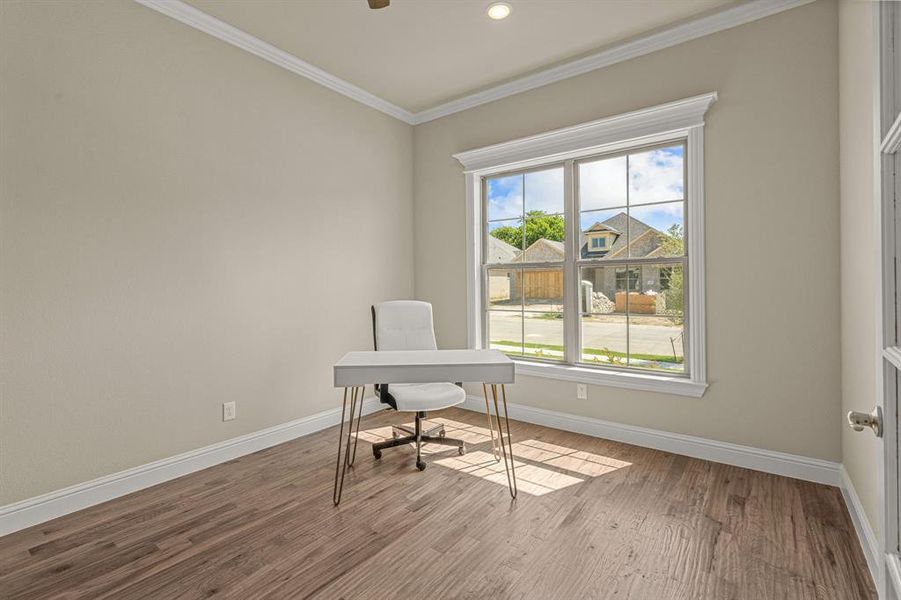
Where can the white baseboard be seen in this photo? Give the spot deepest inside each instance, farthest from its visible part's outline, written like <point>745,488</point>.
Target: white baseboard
<point>768,461</point>
<point>868,540</point>
<point>39,509</point>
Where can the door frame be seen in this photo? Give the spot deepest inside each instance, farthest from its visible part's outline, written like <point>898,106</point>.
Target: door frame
<point>886,109</point>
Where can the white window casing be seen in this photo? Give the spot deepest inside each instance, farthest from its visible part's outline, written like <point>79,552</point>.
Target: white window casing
<point>682,119</point>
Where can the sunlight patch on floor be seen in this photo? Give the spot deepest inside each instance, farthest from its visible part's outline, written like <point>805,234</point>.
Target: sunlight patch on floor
<point>578,461</point>
<point>530,479</point>
<point>541,467</point>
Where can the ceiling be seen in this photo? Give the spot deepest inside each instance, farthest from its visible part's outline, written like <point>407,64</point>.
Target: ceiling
<point>417,54</point>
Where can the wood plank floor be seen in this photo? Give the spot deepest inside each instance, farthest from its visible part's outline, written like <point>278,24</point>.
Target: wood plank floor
<point>594,519</point>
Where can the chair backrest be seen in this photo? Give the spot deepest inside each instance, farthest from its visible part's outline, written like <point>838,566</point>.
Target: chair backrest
<point>403,325</point>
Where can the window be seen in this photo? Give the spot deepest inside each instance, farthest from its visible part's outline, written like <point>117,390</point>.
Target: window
<point>525,233</point>
<point>638,197</point>
<point>633,279</point>
<point>588,265</point>
<point>665,274</point>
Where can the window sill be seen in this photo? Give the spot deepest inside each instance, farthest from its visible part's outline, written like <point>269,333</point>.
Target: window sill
<point>633,381</point>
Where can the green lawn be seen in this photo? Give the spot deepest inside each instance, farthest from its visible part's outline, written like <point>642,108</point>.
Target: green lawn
<point>595,351</point>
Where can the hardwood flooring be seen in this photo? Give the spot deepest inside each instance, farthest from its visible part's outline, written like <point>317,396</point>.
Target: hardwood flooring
<point>594,519</point>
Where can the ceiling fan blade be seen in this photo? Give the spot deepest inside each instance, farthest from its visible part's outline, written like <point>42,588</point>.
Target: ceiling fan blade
<point>379,3</point>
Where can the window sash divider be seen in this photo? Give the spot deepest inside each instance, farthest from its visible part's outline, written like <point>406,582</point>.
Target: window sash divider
<point>637,261</point>
<point>571,289</point>
<point>527,266</point>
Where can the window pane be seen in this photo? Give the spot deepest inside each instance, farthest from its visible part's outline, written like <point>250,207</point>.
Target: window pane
<point>603,325</point>
<point>543,191</point>
<point>604,340</point>
<point>505,289</point>
<point>505,331</point>
<point>504,197</point>
<point>544,238</point>
<point>505,241</point>
<point>602,183</point>
<point>656,343</point>
<point>603,233</point>
<point>544,335</point>
<point>656,175</point>
<point>597,289</point>
<point>657,230</point>
<point>543,289</point>
<point>656,319</point>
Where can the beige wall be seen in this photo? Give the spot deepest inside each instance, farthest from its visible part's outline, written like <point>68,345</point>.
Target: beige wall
<point>174,215</point>
<point>772,177</point>
<point>174,226</point>
<point>859,255</point>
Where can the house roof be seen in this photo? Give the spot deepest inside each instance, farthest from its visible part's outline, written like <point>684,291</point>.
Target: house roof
<point>542,250</point>
<point>598,226</point>
<point>500,251</point>
<point>645,239</point>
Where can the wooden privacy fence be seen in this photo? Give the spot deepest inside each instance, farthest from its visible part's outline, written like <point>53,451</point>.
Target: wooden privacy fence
<point>539,284</point>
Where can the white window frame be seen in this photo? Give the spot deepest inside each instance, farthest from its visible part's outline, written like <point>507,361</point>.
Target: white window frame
<point>663,123</point>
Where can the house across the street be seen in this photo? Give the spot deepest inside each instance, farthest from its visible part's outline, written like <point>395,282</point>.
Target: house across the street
<point>618,237</point>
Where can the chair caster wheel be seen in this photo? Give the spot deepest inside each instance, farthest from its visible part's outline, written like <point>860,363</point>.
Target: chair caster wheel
<point>377,453</point>
<point>442,434</point>
<point>420,465</point>
<point>461,450</point>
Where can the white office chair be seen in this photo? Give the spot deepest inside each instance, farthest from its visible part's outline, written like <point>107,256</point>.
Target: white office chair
<point>407,325</point>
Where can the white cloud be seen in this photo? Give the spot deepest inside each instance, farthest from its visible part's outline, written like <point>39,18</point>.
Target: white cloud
<point>602,183</point>
<point>505,197</point>
<point>656,176</point>
<point>544,190</point>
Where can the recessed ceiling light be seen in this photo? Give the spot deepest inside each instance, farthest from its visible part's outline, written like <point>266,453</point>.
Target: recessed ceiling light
<point>499,10</point>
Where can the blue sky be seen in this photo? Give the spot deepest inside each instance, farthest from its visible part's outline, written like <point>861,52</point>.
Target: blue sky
<point>540,190</point>
<point>654,176</point>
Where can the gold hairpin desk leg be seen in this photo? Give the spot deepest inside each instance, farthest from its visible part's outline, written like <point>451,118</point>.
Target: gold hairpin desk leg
<point>509,467</point>
<point>356,404</point>
<point>495,444</point>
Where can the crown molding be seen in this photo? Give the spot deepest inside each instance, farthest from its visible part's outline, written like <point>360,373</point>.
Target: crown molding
<point>655,120</point>
<point>725,19</point>
<point>201,21</point>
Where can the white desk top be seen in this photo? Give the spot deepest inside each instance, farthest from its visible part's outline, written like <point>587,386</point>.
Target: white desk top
<point>423,366</point>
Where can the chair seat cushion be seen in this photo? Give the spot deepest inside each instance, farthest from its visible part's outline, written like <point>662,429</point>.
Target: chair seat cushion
<point>411,397</point>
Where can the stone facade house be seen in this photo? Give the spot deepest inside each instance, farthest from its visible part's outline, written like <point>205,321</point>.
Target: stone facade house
<point>603,239</point>
<point>608,239</point>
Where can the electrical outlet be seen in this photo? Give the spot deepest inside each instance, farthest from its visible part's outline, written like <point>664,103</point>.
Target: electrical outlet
<point>581,391</point>
<point>229,411</point>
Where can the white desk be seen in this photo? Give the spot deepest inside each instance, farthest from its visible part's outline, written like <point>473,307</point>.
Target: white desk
<point>356,370</point>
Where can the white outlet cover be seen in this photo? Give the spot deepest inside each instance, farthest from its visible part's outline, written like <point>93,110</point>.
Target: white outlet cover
<point>581,391</point>
<point>229,411</point>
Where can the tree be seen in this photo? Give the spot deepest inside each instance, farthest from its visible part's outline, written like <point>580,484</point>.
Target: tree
<point>673,244</point>
<point>538,225</point>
